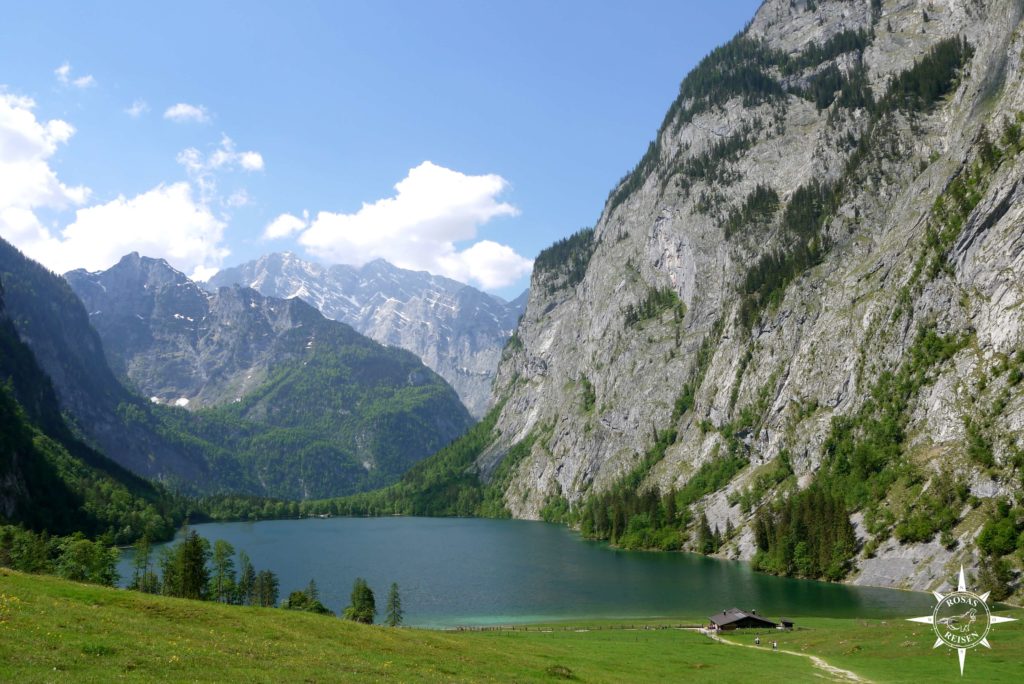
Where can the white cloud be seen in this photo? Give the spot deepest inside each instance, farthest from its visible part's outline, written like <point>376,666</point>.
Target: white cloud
<point>285,225</point>
<point>164,222</point>
<point>26,180</point>
<point>203,168</point>
<point>434,208</point>
<point>223,158</point>
<point>183,112</point>
<point>137,109</point>
<point>251,161</point>
<point>63,74</point>
<point>490,264</point>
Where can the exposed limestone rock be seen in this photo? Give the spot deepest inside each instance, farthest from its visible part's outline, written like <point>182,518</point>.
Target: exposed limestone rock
<point>457,330</point>
<point>816,351</point>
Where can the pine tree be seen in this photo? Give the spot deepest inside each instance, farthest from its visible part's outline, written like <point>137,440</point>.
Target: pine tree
<point>143,577</point>
<point>223,571</point>
<point>394,607</point>
<point>671,511</point>
<point>140,563</point>
<point>170,572</point>
<point>265,589</point>
<point>363,606</point>
<point>194,576</point>
<point>246,580</point>
<point>706,540</point>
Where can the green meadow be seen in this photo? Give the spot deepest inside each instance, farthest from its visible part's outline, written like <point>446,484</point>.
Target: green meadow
<point>52,630</point>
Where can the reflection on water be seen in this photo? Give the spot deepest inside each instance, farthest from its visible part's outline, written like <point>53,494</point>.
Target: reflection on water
<point>459,571</point>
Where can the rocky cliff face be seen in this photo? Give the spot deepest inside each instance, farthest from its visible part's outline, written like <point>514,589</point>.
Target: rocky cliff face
<point>822,196</point>
<point>457,330</point>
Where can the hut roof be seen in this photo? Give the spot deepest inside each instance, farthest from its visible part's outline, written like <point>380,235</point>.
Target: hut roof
<point>728,617</point>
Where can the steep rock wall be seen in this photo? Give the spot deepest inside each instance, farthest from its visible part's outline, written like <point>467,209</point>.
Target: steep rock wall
<point>599,386</point>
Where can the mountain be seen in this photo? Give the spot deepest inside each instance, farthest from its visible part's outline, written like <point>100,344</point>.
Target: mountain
<point>49,479</point>
<point>52,322</point>
<point>457,330</point>
<point>796,334</point>
<point>289,403</point>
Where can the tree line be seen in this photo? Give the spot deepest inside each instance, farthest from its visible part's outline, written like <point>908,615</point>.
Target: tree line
<point>72,557</point>
<point>808,534</point>
<point>193,569</point>
<point>196,569</point>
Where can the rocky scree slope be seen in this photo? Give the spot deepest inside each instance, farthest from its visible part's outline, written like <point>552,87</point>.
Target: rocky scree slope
<point>457,330</point>
<point>288,403</point>
<point>811,282</point>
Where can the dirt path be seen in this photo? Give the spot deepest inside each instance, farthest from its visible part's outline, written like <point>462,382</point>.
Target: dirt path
<point>834,673</point>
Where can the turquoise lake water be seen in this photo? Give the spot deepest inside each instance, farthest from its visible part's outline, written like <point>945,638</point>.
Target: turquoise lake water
<point>461,571</point>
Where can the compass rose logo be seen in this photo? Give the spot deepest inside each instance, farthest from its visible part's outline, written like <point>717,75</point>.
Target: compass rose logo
<point>961,620</point>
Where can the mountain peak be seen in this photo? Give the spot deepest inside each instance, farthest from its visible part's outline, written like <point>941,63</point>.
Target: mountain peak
<point>133,262</point>
<point>276,368</point>
<point>456,329</point>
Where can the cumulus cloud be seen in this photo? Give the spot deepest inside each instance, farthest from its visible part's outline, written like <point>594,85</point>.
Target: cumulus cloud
<point>137,109</point>
<point>285,225</point>
<point>164,222</point>
<point>418,228</point>
<point>184,113</point>
<point>63,74</point>
<point>26,180</point>
<point>251,161</point>
<point>488,263</point>
<point>27,183</point>
<point>167,221</point>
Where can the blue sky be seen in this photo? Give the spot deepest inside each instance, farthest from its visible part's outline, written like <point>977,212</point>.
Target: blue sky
<point>503,125</point>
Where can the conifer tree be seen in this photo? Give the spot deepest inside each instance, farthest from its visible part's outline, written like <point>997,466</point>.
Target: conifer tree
<point>265,589</point>
<point>706,540</point>
<point>144,579</point>
<point>193,553</point>
<point>246,580</point>
<point>394,607</point>
<point>363,607</point>
<point>223,580</point>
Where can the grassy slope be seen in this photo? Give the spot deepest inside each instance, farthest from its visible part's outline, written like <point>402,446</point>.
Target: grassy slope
<point>59,630</point>
<point>54,630</point>
<point>900,651</point>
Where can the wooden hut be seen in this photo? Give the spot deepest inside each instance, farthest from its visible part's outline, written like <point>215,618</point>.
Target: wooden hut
<point>734,618</point>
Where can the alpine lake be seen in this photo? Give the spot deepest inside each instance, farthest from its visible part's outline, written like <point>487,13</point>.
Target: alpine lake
<point>463,572</point>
